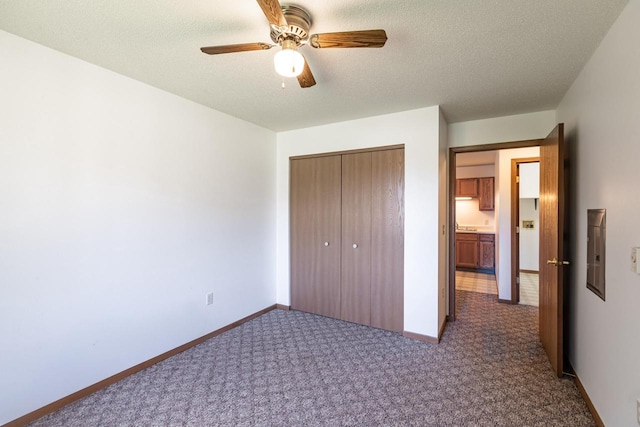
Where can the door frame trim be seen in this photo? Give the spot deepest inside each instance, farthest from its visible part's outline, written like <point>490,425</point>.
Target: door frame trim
<point>515,219</point>
<point>354,151</point>
<point>451,305</point>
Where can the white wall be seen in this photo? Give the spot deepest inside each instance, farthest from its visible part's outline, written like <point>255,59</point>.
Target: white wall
<point>529,238</point>
<point>530,180</point>
<point>502,129</point>
<point>529,193</point>
<point>468,212</point>
<point>481,171</point>
<point>121,206</point>
<point>600,113</point>
<point>419,131</point>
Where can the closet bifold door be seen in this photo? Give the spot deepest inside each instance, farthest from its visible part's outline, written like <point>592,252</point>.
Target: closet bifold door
<point>356,238</point>
<point>387,240</point>
<point>315,218</point>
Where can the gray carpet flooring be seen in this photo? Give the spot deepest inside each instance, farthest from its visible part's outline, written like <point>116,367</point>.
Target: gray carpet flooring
<point>294,368</point>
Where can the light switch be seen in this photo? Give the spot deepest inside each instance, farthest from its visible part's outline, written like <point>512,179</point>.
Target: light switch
<point>635,266</point>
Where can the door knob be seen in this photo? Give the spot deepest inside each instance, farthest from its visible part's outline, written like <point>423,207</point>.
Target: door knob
<point>326,243</point>
<point>355,246</point>
<point>557,262</point>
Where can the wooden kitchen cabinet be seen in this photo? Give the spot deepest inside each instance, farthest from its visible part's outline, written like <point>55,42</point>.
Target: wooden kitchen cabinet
<point>467,250</point>
<point>487,251</point>
<point>486,194</point>
<point>475,251</point>
<point>467,187</point>
<point>481,188</point>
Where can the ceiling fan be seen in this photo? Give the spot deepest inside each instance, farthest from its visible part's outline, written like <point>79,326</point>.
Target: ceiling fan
<point>290,30</point>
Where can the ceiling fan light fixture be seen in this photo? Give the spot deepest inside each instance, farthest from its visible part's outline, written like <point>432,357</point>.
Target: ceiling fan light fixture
<point>289,62</point>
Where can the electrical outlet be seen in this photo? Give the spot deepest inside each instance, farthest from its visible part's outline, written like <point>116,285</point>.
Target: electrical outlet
<point>210,299</point>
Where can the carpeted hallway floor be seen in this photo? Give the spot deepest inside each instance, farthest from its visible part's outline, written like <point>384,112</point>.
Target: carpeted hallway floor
<point>294,368</point>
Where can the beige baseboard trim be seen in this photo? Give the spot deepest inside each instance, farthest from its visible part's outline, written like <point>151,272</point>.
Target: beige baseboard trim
<point>587,400</point>
<point>283,307</point>
<point>60,403</point>
<point>420,337</point>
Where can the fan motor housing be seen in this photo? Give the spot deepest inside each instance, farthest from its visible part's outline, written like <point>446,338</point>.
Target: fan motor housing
<point>299,22</point>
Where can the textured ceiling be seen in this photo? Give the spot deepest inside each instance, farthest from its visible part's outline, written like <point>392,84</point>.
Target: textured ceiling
<point>476,59</point>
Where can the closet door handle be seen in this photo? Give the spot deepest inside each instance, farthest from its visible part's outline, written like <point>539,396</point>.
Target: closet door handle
<point>326,243</point>
<point>355,246</point>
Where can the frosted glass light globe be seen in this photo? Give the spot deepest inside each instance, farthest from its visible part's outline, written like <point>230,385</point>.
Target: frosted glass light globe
<point>289,62</point>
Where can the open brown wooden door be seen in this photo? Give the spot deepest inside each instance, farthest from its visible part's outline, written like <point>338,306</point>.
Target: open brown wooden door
<point>552,245</point>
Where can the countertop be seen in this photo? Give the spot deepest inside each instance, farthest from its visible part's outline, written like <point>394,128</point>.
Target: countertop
<point>475,229</point>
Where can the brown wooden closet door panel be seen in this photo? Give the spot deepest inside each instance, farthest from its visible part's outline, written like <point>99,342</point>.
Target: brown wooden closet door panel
<point>315,203</point>
<point>387,240</point>
<point>356,238</point>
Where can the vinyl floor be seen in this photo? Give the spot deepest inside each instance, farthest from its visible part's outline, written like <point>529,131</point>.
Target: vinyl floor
<point>529,289</point>
<point>476,282</point>
<point>486,284</point>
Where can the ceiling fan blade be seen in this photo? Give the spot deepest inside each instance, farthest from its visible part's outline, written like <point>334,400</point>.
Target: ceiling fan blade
<point>273,11</point>
<point>230,48</point>
<point>366,38</point>
<point>306,78</point>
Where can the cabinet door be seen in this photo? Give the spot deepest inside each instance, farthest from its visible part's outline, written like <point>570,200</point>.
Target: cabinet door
<point>355,299</point>
<point>467,187</point>
<point>487,257</point>
<point>315,203</point>
<point>487,247</point>
<point>387,240</point>
<point>486,197</point>
<point>467,250</point>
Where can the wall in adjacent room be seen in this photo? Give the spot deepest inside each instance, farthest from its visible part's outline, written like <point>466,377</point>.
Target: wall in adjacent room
<point>529,210</point>
<point>530,180</point>
<point>600,112</point>
<point>419,131</point>
<point>529,238</point>
<point>475,171</point>
<point>121,207</point>
<point>468,212</point>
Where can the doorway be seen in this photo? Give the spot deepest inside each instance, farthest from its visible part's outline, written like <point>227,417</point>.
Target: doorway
<point>499,223</point>
<point>475,219</point>
<point>554,240</point>
<point>525,226</point>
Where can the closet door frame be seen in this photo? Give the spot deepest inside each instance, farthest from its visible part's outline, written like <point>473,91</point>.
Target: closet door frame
<point>398,315</point>
<point>341,153</point>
